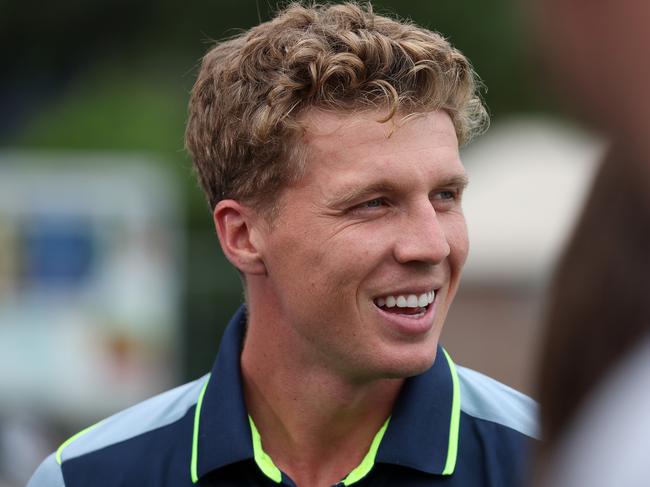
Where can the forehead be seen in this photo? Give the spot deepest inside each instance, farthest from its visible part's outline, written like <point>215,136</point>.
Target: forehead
<point>342,146</point>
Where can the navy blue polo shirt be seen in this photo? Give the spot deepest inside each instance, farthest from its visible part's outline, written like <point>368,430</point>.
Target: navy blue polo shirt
<point>450,427</point>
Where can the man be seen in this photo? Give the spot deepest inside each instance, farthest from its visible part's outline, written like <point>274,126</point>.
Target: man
<point>326,141</point>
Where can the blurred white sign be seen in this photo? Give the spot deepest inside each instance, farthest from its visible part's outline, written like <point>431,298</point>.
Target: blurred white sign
<point>89,281</point>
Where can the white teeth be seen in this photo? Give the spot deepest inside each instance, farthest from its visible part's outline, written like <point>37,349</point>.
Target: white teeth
<point>407,300</point>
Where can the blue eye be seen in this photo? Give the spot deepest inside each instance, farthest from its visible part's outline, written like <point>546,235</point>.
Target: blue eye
<point>446,195</point>
<point>375,203</point>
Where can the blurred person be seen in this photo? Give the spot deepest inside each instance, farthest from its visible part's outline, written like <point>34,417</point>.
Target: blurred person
<point>599,312</point>
<point>596,53</point>
<point>326,141</point>
<point>599,308</point>
<point>608,442</point>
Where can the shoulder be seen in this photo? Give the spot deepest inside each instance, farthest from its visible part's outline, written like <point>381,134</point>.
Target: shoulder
<point>135,422</point>
<point>486,399</point>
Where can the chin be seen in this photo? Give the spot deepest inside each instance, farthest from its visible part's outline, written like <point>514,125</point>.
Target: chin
<point>409,366</point>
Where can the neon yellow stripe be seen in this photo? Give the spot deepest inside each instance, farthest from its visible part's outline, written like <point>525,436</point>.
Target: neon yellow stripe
<point>454,423</point>
<point>70,440</point>
<point>263,461</point>
<point>195,435</point>
<point>266,465</point>
<point>368,461</point>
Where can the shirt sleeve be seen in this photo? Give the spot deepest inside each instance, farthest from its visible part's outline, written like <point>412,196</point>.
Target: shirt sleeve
<point>48,474</point>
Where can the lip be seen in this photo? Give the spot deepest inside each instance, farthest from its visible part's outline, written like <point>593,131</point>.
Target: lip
<point>409,325</point>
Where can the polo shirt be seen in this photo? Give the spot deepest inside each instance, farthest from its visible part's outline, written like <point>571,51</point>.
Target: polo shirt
<point>450,427</point>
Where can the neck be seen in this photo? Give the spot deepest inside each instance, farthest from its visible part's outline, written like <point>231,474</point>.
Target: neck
<point>315,425</point>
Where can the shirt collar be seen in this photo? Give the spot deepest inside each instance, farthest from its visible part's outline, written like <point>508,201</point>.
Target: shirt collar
<point>222,433</point>
<point>422,432</point>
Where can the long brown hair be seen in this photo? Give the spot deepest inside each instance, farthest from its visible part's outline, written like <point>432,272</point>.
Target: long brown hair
<point>599,302</point>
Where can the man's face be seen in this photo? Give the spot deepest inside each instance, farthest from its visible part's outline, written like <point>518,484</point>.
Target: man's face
<point>363,242</point>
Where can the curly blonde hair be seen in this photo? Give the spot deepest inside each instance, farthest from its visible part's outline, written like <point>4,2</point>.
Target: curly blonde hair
<point>246,105</point>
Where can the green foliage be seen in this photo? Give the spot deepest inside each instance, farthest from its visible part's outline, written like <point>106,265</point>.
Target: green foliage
<point>111,111</point>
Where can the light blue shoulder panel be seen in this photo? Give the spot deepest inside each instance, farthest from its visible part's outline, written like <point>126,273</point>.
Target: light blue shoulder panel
<point>48,474</point>
<point>488,399</point>
<point>159,411</point>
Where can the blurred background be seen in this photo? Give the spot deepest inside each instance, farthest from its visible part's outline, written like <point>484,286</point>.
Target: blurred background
<point>112,284</point>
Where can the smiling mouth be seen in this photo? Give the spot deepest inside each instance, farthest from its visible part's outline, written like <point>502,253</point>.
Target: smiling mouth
<point>406,304</point>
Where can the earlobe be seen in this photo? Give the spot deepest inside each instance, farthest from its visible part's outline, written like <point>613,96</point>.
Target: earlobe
<point>236,233</point>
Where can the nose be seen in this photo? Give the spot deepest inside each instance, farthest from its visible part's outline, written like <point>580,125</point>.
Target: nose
<point>421,237</point>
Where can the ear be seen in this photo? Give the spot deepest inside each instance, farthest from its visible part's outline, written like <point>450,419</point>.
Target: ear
<point>238,236</point>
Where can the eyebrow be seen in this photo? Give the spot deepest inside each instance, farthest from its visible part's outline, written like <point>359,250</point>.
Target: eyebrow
<point>352,195</point>
<point>349,196</point>
<point>458,180</point>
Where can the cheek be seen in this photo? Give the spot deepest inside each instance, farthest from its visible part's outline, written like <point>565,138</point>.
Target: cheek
<point>307,266</point>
